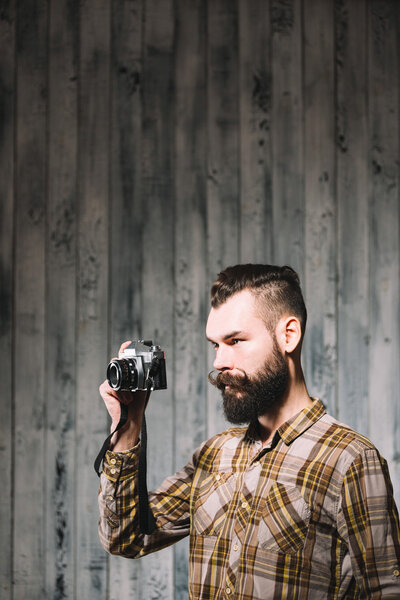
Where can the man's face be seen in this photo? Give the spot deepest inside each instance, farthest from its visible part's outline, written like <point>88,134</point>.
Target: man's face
<point>253,372</point>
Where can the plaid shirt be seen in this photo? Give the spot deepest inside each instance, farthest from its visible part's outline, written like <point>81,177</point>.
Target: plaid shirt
<point>309,516</point>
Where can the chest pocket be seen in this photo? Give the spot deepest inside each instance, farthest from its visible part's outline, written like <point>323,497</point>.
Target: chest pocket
<point>214,495</point>
<point>285,518</point>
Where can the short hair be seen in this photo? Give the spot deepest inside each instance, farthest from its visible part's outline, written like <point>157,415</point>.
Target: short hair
<point>276,289</point>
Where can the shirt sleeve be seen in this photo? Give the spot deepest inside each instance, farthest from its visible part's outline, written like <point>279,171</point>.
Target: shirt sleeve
<point>119,502</point>
<point>368,521</point>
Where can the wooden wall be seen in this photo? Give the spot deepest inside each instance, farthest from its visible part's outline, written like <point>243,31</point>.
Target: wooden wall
<point>145,145</point>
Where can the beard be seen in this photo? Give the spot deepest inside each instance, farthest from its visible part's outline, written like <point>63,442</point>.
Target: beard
<point>248,398</point>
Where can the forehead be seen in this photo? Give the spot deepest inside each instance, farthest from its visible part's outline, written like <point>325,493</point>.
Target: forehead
<point>238,313</point>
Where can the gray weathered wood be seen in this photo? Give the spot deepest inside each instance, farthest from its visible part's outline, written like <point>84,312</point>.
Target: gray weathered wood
<point>255,97</point>
<point>61,277</point>
<point>126,217</point>
<point>352,202</point>
<point>319,285</point>
<point>29,367</point>
<point>7,95</point>
<point>287,134</point>
<point>92,354</point>
<point>158,257</point>
<point>144,146</point>
<point>191,297</point>
<point>223,203</point>
<point>383,170</point>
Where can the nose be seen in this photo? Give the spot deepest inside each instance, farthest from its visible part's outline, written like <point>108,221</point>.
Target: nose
<point>223,359</point>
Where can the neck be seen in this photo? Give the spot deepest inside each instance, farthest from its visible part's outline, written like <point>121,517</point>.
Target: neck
<point>295,399</point>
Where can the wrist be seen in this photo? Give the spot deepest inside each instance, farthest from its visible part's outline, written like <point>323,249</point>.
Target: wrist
<point>126,438</point>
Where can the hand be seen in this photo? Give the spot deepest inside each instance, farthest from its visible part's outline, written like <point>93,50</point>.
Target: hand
<point>129,433</point>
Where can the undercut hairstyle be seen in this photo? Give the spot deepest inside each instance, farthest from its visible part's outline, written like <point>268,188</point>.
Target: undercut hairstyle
<point>276,290</point>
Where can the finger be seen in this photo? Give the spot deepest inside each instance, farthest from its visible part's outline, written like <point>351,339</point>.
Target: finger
<point>124,345</point>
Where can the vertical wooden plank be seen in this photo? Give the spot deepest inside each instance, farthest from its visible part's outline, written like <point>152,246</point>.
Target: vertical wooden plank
<point>255,96</point>
<point>7,98</point>
<point>384,348</point>
<point>320,350</point>
<point>29,542</point>
<point>126,216</point>
<point>191,293</point>
<point>60,300</point>
<point>158,257</point>
<point>92,355</point>
<point>287,134</point>
<point>352,195</point>
<point>223,212</point>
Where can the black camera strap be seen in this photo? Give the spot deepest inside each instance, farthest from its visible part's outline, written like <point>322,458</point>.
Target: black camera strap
<point>100,457</point>
<point>147,523</point>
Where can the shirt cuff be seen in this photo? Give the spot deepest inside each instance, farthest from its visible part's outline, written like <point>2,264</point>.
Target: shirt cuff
<point>121,465</point>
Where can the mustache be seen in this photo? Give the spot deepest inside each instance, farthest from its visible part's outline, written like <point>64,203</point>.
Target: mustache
<point>222,379</point>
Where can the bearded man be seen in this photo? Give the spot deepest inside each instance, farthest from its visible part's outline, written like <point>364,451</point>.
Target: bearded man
<point>293,505</point>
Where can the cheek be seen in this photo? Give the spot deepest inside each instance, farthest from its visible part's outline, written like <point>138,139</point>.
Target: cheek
<point>250,362</point>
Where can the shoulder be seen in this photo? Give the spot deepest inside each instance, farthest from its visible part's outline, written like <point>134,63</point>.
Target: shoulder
<point>229,439</point>
<point>341,441</point>
<point>345,435</point>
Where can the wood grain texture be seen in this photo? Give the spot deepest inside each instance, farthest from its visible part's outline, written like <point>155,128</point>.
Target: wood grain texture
<point>158,257</point>
<point>353,213</point>
<point>191,298</point>
<point>7,116</point>
<point>287,135</point>
<point>255,98</point>
<point>127,235</point>
<point>29,532</point>
<point>60,292</point>
<point>92,280</point>
<point>223,202</point>
<point>383,171</point>
<point>146,145</point>
<point>319,285</point>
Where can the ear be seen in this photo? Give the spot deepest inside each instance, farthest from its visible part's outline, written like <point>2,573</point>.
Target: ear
<point>289,334</point>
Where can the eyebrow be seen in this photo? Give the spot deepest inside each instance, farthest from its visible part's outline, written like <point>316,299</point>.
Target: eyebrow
<point>228,336</point>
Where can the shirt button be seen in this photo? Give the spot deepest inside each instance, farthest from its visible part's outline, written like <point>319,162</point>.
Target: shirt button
<point>244,505</point>
<point>113,461</point>
<point>228,591</point>
<point>113,471</point>
<point>218,477</point>
<point>236,547</point>
<point>396,572</point>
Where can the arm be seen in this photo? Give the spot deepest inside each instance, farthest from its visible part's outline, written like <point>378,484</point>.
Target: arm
<point>118,495</point>
<point>118,503</point>
<point>369,523</point>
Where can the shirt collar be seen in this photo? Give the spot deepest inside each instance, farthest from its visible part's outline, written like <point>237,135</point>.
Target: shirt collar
<point>295,426</point>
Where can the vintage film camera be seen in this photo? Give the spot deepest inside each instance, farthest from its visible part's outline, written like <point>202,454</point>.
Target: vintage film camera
<point>131,370</point>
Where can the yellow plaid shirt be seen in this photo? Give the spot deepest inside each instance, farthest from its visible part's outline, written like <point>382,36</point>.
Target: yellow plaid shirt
<point>311,516</point>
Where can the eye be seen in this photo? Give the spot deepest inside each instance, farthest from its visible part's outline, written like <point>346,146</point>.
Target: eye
<point>235,341</point>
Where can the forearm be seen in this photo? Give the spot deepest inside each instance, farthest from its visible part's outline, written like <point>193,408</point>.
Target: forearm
<point>368,522</point>
<point>118,502</point>
<point>127,437</point>
<point>118,524</point>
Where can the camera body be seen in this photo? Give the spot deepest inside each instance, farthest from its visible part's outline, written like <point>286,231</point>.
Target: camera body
<point>131,370</point>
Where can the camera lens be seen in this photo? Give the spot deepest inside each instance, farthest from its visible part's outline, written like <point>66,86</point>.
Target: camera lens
<point>114,375</point>
<point>122,374</point>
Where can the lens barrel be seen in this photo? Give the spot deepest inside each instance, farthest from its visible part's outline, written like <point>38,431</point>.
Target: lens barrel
<point>122,374</point>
